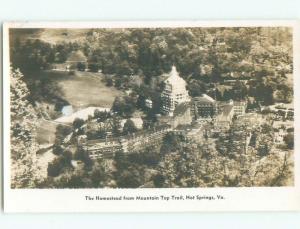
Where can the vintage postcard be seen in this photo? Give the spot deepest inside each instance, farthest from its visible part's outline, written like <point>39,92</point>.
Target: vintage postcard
<point>151,116</point>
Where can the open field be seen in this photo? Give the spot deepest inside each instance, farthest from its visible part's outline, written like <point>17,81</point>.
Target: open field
<point>86,89</point>
<point>81,89</point>
<point>52,36</point>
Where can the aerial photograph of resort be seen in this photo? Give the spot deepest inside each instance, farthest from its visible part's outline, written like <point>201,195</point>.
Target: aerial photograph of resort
<point>151,107</point>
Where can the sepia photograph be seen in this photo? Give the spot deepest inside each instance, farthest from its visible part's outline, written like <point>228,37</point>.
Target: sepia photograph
<point>150,114</point>
<point>163,107</point>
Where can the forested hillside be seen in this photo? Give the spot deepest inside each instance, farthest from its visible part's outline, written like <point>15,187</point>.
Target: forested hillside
<point>202,55</point>
<point>126,68</point>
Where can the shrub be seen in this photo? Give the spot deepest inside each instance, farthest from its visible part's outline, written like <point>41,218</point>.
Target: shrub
<point>56,166</point>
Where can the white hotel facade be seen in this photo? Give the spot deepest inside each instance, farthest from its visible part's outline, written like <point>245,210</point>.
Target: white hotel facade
<point>174,92</point>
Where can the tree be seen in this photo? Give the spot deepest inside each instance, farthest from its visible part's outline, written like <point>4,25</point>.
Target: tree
<point>239,90</point>
<point>109,82</point>
<point>67,156</point>
<point>82,154</point>
<point>24,169</point>
<point>98,176</point>
<point>130,178</point>
<point>78,123</point>
<point>196,88</point>
<point>77,181</point>
<point>284,93</point>
<point>118,83</point>
<point>120,158</point>
<point>81,66</point>
<point>124,106</point>
<point>289,140</point>
<point>101,116</point>
<point>129,127</point>
<point>56,166</point>
<point>94,67</point>
<point>171,143</point>
<point>274,170</point>
<point>149,157</point>
<point>158,180</point>
<point>57,149</point>
<point>140,103</point>
<point>32,55</point>
<point>61,132</point>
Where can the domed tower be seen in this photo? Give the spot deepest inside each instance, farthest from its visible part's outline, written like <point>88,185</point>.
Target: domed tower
<point>174,92</point>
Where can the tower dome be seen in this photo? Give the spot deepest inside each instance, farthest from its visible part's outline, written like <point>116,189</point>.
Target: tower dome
<point>174,78</point>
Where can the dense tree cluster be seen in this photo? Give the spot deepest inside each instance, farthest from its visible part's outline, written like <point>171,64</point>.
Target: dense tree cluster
<point>124,106</point>
<point>24,170</point>
<point>198,51</point>
<point>178,164</point>
<point>202,56</point>
<point>261,55</point>
<point>37,54</point>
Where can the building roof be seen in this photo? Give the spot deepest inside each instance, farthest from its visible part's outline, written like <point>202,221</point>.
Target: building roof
<point>204,99</point>
<point>147,132</point>
<point>174,78</point>
<point>77,56</point>
<point>227,109</point>
<point>239,103</point>
<point>127,137</point>
<point>181,108</point>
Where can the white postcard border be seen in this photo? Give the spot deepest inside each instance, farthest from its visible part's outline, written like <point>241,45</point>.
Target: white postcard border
<point>75,200</point>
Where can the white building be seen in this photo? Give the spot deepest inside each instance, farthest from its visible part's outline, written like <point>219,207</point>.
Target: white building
<point>148,103</point>
<point>279,136</point>
<point>239,107</point>
<point>174,93</point>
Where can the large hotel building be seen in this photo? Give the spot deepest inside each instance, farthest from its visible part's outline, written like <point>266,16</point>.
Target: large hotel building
<point>174,93</point>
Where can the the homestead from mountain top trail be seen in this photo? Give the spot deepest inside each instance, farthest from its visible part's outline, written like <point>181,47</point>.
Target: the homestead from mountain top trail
<point>159,107</point>
<point>179,111</point>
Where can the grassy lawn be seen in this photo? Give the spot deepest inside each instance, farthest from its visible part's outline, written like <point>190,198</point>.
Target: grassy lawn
<point>52,36</point>
<point>81,89</point>
<point>46,132</point>
<point>86,89</point>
